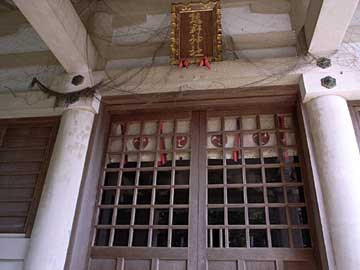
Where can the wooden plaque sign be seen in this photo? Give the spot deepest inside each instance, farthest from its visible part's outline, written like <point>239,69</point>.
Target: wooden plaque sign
<point>196,32</point>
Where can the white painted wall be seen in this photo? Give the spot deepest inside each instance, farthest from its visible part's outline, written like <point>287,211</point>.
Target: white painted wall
<point>24,40</point>
<point>19,79</point>
<point>239,20</point>
<point>13,248</point>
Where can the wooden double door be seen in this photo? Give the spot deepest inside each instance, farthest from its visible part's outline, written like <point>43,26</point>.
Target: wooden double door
<point>202,190</point>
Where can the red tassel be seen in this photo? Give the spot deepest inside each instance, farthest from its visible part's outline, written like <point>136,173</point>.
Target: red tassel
<point>184,63</point>
<point>236,152</point>
<point>236,156</point>
<point>237,142</point>
<point>205,63</point>
<point>162,160</point>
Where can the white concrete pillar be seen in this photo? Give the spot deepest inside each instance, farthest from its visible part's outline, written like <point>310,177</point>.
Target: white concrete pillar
<point>51,232</point>
<point>338,164</point>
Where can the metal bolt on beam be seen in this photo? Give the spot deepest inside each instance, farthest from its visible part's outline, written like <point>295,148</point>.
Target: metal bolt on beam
<point>328,82</point>
<point>323,62</point>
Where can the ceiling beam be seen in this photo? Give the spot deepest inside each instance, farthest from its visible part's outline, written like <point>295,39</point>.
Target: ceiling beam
<point>61,29</point>
<point>326,24</point>
<point>298,14</point>
<point>223,75</point>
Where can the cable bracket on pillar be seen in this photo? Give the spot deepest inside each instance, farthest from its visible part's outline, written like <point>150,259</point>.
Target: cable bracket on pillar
<point>66,98</point>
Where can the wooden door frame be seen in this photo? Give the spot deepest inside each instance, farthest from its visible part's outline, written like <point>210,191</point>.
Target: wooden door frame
<point>251,100</point>
<point>285,98</point>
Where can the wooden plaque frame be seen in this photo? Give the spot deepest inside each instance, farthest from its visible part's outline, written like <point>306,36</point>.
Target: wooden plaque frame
<point>211,41</point>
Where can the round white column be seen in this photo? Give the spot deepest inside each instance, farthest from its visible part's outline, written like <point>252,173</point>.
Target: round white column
<point>51,232</point>
<point>338,163</point>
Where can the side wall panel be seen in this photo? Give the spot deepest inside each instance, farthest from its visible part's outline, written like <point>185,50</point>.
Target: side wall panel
<point>13,249</point>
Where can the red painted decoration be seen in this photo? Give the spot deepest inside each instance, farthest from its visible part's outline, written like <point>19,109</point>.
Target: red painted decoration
<point>264,138</point>
<point>217,140</point>
<point>181,141</point>
<point>136,142</point>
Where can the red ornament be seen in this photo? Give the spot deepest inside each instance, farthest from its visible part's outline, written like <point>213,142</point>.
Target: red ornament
<point>184,63</point>
<point>205,63</point>
<point>264,138</point>
<point>181,141</point>
<point>217,140</point>
<point>136,142</point>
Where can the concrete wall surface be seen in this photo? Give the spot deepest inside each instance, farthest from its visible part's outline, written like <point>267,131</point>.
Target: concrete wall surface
<point>13,248</point>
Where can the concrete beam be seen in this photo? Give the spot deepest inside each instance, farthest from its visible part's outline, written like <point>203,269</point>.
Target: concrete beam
<point>60,27</point>
<point>223,75</point>
<point>298,14</point>
<point>326,24</point>
<point>347,85</point>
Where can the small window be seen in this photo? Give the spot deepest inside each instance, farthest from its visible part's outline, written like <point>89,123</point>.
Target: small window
<point>25,150</point>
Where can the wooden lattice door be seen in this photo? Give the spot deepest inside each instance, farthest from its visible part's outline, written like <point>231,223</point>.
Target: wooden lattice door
<point>147,207</point>
<point>202,191</point>
<point>252,203</point>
